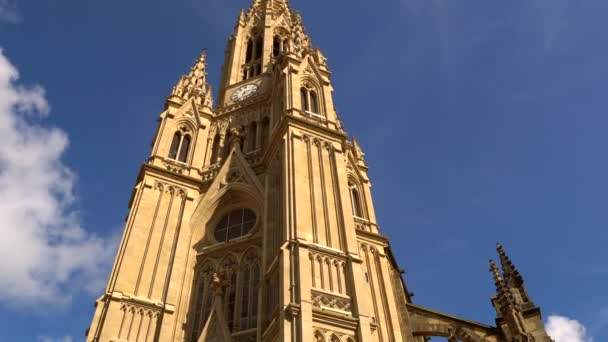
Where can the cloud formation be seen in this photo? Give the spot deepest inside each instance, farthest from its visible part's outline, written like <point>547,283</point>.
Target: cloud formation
<point>564,329</point>
<point>9,12</point>
<point>45,254</point>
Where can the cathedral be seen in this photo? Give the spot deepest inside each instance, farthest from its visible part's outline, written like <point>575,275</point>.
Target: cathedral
<point>253,220</point>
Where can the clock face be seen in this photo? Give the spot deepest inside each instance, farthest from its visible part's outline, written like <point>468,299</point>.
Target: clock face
<point>244,92</point>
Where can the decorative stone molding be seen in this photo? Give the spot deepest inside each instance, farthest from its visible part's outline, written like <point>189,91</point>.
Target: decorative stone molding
<point>325,300</point>
<point>326,335</point>
<point>175,166</point>
<point>210,172</point>
<point>362,224</point>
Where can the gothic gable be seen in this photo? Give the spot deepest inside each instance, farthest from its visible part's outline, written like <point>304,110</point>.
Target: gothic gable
<point>189,112</point>
<point>235,182</point>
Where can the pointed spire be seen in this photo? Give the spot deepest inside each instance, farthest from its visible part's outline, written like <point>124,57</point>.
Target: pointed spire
<point>242,18</point>
<point>511,274</point>
<point>498,281</point>
<point>194,84</point>
<point>503,294</point>
<point>270,6</point>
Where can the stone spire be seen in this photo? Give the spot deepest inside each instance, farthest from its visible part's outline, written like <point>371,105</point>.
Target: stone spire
<point>269,6</point>
<point>512,278</point>
<point>194,84</point>
<point>503,294</point>
<point>516,314</point>
<point>511,274</point>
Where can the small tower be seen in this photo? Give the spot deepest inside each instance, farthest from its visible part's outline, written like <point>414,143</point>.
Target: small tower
<point>517,316</point>
<point>194,85</point>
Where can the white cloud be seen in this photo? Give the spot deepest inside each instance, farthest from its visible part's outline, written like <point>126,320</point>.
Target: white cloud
<point>9,12</point>
<point>564,329</point>
<point>45,255</point>
<point>50,339</point>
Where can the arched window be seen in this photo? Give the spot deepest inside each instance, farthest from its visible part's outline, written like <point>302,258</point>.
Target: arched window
<point>235,224</point>
<point>231,301</point>
<point>204,299</point>
<point>304,99</point>
<point>198,309</point>
<point>242,139</point>
<point>314,102</point>
<point>355,201</point>
<point>215,149</point>
<point>227,145</point>
<point>276,46</point>
<point>249,52</point>
<point>183,150</point>
<point>252,136</point>
<point>253,319</point>
<point>245,287</point>
<point>180,146</point>
<point>265,132</point>
<point>259,47</point>
<point>177,137</point>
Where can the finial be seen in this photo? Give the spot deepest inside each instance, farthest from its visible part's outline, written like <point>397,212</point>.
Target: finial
<point>502,291</point>
<point>511,274</point>
<point>194,84</point>
<point>495,274</point>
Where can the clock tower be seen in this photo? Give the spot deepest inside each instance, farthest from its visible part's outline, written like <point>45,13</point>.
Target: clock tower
<point>253,220</point>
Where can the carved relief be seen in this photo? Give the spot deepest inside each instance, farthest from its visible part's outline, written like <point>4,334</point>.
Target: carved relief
<point>326,300</point>
<point>175,166</point>
<point>138,322</point>
<point>323,334</point>
<point>328,273</point>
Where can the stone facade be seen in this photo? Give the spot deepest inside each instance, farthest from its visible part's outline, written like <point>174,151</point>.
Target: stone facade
<point>253,220</point>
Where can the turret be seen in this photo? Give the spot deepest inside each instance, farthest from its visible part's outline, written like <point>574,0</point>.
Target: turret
<point>181,141</point>
<point>194,85</point>
<point>517,316</point>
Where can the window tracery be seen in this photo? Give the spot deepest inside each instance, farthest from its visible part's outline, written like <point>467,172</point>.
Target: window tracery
<point>204,299</point>
<point>237,223</point>
<point>240,296</point>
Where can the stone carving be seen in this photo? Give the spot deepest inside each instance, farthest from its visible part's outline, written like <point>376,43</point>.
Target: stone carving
<point>175,166</point>
<point>194,85</point>
<point>326,300</point>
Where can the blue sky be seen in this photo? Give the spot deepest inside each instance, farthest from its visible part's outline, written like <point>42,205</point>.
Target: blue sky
<point>482,121</point>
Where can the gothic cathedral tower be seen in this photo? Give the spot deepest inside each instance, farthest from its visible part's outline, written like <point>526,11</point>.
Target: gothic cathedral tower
<point>252,220</point>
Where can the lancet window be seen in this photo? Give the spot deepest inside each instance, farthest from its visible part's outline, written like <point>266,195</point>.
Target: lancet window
<point>240,301</point>
<point>355,199</point>
<point>204,299</point>
<point>180,146</point>
<point>215,149</point>
<point>252,136</point>
<point>309,100</point>
<point>279,46</point>
<point>265,131</point>
<point>253,57</point>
